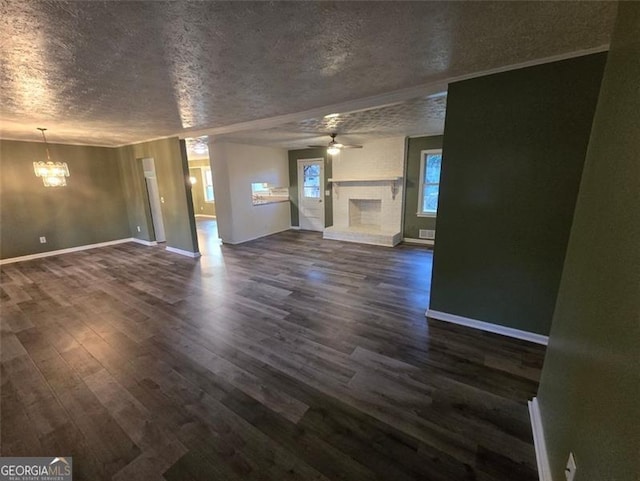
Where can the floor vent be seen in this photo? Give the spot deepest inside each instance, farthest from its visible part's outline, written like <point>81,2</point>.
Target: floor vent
<point>427,234</point>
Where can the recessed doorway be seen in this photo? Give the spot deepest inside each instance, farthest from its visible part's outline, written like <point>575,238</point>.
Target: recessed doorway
<point>155,200</point>
<point>311,194</point>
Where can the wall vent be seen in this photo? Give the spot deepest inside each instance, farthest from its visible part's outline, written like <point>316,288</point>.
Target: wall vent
<point>427,234</point>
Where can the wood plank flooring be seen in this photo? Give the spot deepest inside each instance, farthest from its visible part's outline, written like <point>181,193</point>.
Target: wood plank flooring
<point>288,357</point>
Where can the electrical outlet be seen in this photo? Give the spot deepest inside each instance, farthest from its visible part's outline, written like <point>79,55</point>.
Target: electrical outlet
<point>327,193</point>
<point>43,240</point>
<point>138,227</point>
<point>570,472</point>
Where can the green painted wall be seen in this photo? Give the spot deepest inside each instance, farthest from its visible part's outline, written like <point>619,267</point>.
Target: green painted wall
<point>199,163</point>
<point>172,173</point>
<point>294,155</point>
<point>412,222</point>
<point>590,388</point>
<point>89,210</point>
<point>514,149</point>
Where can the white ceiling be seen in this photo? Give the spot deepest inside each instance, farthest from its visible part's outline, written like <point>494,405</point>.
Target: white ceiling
<point>110,73</point>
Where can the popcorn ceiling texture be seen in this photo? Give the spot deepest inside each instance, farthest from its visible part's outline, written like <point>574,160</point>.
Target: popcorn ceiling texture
<point>110,73</point>
<point>411,117</point>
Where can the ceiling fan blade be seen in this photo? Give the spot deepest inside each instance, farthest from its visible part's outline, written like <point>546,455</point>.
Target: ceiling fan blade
<point>351,147</point>
<point>317,146</point>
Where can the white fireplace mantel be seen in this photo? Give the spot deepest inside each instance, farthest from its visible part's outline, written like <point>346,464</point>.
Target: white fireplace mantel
<point>394,182</point>
<point>366,179</point>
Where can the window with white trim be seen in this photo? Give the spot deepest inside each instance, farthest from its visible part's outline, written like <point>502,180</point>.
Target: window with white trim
<point>208,185</point>
<point>430,162</point>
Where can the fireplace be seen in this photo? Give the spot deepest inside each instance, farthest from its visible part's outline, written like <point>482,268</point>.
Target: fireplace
<point>366,189</point>
<point>366,213</point>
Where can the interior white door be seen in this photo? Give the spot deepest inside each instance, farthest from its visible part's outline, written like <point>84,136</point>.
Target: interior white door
<point>311,194</point>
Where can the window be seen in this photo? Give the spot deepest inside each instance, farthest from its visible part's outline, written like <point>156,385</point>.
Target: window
<point>208,185</point>
<point>430,162</point>
<point>312,181</point>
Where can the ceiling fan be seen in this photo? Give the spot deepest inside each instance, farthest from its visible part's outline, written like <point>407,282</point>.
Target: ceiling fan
<point>334,147</point>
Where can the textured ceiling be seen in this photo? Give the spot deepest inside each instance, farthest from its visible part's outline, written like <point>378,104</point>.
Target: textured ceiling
<point>422,115</point>
<point>119,72</point>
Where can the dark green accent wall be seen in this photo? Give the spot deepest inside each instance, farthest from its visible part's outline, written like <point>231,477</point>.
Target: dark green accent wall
<point>513,152</point>
<point>412,222</point>
<point>294,155</point>
<point>590,388</point>
<point>172,173</point>
<point>89,210</point>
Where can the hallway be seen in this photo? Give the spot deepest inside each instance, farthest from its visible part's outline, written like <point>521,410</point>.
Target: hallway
<point>208,240</point>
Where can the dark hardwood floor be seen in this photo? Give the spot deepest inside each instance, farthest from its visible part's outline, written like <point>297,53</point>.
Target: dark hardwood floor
<point>288,357</point>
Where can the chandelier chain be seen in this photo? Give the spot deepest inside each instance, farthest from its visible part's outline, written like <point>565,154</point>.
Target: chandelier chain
<point>46,144</point>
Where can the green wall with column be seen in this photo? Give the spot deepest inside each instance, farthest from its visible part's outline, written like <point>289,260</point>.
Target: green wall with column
<point>513,152</point>
<point>412,221</point>
<point>172,173</point>
<point>589,393</point>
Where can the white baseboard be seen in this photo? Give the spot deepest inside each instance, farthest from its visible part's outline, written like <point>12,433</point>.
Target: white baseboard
<point>486,326</point>
<point>40,255</point>
<point>295,227</point>
<point>144,242</point>
<point>410,240</point>
<point>235,243</point>
<point>175,250</point>
<point>544,470</point>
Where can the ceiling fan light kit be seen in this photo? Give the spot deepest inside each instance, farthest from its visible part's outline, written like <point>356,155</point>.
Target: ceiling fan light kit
<point>334,148</point>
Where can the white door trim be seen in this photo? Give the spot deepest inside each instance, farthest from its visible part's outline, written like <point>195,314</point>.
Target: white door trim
<point>153,195</point>
<point>301,190</point>
<point>542,458</point>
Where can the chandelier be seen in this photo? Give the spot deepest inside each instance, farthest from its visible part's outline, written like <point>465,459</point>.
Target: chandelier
<point>53,174</point>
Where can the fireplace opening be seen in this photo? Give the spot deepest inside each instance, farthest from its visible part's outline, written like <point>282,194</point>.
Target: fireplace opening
<point>365,213</point>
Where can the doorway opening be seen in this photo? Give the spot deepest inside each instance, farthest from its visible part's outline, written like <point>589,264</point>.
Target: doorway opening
<point>155,200</point>
<point>203,195</point>
<point>201,178</point>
